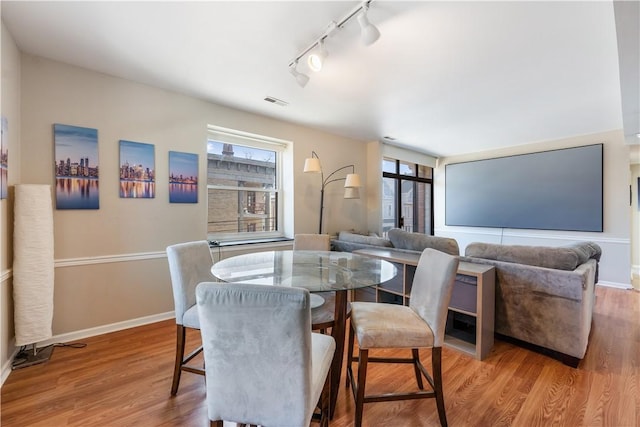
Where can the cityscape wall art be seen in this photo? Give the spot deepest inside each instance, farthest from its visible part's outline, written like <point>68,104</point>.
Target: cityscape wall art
<point>183,177</point>
<point>137,170</point>
<point>76,167</point>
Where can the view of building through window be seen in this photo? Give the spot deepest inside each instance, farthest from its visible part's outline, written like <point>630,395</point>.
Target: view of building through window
<point>242,189</point>
<point>407,199</point>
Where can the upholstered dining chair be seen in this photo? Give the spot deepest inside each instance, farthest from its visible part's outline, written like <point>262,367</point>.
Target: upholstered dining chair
<point>189,264</point>
<point>419,325</point>
<point>263,364</point>
<point>322,317</point>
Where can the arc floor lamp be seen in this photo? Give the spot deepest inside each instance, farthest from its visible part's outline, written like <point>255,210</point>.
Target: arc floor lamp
<point>352,181</point>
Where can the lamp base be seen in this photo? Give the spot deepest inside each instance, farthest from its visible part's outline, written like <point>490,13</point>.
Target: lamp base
<point>26,358</point>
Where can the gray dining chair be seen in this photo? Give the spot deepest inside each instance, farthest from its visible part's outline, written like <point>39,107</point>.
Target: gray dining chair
<point>263,364</point>
<point>419,325</point>
<point>323,316</point>
<point>189,264</point>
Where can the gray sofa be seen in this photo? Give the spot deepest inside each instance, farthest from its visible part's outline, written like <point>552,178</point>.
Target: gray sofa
<point>544,295</point>
<point>400,240</point>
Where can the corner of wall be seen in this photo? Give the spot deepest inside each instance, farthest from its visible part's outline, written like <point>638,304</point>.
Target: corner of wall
<point>10,110</point>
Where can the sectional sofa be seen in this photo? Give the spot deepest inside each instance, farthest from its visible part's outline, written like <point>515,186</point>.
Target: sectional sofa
<point>399,240</point>
<point>544,296</point>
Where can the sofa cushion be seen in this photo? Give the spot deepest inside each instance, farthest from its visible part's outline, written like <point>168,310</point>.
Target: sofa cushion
<point>418,242</point>
<point>362,239</point>
<point>560,258</point>
<point>586,251</point>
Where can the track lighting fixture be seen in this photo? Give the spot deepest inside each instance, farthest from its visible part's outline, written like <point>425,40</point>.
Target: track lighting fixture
<point>317,57</point>
<point>317,51</point>
<point>369,32</point>
<point>302,79</point>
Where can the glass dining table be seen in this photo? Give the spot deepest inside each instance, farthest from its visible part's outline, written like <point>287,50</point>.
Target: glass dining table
<point>316,271</point>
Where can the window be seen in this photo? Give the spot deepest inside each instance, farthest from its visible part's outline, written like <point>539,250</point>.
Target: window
<point>243,185</point>
<point>407,196</point>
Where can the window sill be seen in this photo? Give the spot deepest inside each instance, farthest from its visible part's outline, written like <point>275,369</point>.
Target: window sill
<point>232,243</point>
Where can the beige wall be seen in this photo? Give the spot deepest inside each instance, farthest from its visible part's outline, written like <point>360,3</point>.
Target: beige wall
<point>111,270</point>
<point>615,240</point>
<point>10,106</point>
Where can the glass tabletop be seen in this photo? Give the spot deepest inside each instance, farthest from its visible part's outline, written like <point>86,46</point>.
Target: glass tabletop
<point>315,271</point>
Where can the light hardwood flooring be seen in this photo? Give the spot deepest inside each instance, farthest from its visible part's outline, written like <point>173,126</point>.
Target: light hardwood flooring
<point>124,378</point>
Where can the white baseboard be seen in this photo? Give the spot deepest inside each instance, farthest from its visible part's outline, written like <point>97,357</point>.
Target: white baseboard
<point>90,332</point>
<point>105,329</point>
<point>614,285</point>
<point>6,368</point>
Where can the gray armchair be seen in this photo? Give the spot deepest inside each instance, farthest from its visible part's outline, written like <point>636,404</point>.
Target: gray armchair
<point>263,364</point>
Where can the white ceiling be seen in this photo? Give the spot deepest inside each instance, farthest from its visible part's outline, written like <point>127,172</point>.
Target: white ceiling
<point>446,78</point>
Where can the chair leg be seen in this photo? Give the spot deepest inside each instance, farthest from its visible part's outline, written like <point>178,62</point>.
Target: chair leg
<point>436,365</point>
<point>350,357</point>
<point>363,359</point>
<point>218,423</point>
<point>177,370</point>
<point>416,362</point>
<point>325,402</point>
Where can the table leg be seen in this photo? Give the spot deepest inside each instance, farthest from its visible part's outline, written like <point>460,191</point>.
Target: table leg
<point>338,332</point>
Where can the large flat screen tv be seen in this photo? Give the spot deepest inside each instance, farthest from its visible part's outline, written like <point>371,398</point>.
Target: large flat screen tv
<point>550,190</point>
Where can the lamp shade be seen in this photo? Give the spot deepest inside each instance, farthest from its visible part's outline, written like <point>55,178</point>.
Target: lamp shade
<point>312,164</point>
<point>33,263</point>
<point>351,193</point>
<point>352,181</point>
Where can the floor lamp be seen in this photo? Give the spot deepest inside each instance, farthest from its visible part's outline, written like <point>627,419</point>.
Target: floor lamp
<point>351,181</point>
<point>33,272</point>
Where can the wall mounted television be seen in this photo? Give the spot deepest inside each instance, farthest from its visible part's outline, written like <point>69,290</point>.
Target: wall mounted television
<point>550,190</point>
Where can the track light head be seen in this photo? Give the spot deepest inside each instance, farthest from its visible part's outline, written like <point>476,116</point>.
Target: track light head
<point>301,79</point>
<point>317,57</point>
<point>369,32</point>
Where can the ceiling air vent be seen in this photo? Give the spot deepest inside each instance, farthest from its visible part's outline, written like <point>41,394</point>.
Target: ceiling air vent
<point>276,101</point>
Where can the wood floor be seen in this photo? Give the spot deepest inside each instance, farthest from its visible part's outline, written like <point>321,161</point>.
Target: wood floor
<point>124,378</point>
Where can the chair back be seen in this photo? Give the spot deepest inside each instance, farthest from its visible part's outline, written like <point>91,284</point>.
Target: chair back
<point>257,353</point>
<point>431,290</point>
<point>189,264</point>
<point>311,242</point>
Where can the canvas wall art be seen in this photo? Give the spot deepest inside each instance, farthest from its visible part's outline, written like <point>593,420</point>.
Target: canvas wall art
<point>4,159</point>
<point>137,170</point>
<point>76,167</point>
<point>183,177</point>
